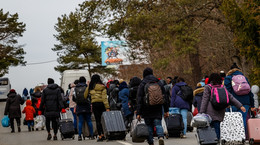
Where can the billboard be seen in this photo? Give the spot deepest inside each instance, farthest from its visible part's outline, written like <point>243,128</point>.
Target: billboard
<point>114,53</point>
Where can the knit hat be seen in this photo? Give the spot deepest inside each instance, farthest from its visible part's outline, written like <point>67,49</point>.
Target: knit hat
<point>234,66</point>
<point>12,91</point>
<point>50,81</point>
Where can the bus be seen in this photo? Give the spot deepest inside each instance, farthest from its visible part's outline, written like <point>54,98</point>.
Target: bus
<point>69,76</point>
<point>5,87</point>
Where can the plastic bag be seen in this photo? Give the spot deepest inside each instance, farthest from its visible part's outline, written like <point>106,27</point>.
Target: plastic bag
<point>201,120</point>
<point>39,121</point>
<point>5,121</point>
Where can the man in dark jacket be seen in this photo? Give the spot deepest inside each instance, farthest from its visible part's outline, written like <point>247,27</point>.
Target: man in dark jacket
<point>151,114</point>
<point>52,104</point>
<point>13,109</point>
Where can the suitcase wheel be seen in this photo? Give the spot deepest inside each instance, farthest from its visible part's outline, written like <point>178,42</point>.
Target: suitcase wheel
<point>251,141</point>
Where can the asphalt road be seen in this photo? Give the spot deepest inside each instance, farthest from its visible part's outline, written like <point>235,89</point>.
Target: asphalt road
<point>40,137</point>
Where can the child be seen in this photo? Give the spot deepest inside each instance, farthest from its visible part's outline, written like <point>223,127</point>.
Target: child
<point>29,113</point>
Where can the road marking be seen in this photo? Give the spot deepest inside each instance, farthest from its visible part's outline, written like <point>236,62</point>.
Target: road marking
<point>124,143</point>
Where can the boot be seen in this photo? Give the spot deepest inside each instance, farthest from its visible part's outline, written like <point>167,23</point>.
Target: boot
<point>49,137</point>
<point>80,138</point>
<point>12,131</point>
<point>19,129</point>
<point>32,128</point>
<point>29,128</point>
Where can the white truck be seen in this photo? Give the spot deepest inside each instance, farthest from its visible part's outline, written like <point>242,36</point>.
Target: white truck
<point>69,76</point>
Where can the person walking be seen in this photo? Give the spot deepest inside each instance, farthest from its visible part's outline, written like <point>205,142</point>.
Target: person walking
<point>73,104</point>
<point>207,107</point>
<point>51,103</point>
<point>83,108</point>
<point>152,114</point>
<point>13,109</point>
<point>123,97</point>
<point>133,87</point>
<point>179,104</point>
<point>198,93</point>
<point>98,94</point>
<point>247,98</point>
<point>29,114</point>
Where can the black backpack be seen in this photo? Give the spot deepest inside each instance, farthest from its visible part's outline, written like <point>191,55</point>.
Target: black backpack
<point>186,93</point>
<point>79,95</point>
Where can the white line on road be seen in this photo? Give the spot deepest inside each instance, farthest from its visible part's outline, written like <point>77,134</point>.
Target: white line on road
<point>124,143</point>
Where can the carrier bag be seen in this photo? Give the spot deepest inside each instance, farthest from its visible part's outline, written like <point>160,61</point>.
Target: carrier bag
<point>5,121</point>
<point>232,128</point>
<point>113,125</point>
<point>201,120</point>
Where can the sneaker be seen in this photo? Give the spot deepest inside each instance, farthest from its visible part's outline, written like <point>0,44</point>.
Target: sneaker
<point>37,129</point>
<point>19,129</point>
<point>49,137</point>
<point>184,136</point>
<point>29,129</point>
<point>80,138</point>
<point>100,139</point>
<point>32,128</point>
<point>92,137</point>
<point>12,131</point>
<point>55,137</point>
<point>161,141</point>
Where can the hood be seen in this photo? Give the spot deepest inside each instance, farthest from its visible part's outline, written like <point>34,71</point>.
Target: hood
<point>150,78</point>
<point>122,86</point>
<point>25,92</point>
<point>135,81</point>
<point>197,91</point>
<point>147,71</point>
<point>99,87</point>
<point>52,86</point>
<point>234,71</point>
<point>11,95</point>
<point>181,84</point>
<point>255,89</point>
<point>28,103</point>
<point>37,94</point>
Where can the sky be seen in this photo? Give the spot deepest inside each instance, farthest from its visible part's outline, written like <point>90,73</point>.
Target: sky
<point>40,16</point>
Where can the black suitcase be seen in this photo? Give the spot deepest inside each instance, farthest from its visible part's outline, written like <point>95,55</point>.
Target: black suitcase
<point>66,128</point>
<point>175,125</point>
<point>206,135</point>
<point>113,125</point>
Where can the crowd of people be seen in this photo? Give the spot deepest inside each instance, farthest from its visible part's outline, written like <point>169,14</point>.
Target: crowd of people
<point>86,97</point>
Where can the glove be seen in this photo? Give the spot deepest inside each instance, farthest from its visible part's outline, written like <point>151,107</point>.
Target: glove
<point>63,110</point>
<point>39,112</point>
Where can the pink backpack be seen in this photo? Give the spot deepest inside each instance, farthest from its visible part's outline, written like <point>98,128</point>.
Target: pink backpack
<point>219,97</point>
<point>240,85</point>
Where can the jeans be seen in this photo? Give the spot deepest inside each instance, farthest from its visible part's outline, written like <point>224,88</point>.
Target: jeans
<point>183,112</point>
<point>74,118</point>
<point>87,117</point>
<point>30,123</point>
<point>151,123</point>
<point>216,125</point>
<point>244,115</point>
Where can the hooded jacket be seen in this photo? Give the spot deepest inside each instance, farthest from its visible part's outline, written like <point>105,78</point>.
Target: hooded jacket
<point>198,93</point>
<point>98,94</point>
<point>244,99</point>
<point>176,100</point>
<point>123,97</point>
<point>206,106</point>
<point>12,107</point>
<point>51,101</point>
<point>150,111</point>
<point>133,87</point>
<point>29,110</point>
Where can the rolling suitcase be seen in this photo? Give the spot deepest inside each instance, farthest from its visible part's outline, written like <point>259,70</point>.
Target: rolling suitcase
<point>113,125</point>
<point>85,129</point>
<point>206,135</point>
<point>175,125</point>
<point>232,128</point>
<point>253,126</point>
<point>66,127</point>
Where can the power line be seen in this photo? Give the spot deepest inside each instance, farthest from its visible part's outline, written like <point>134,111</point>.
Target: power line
<point>35,63</point>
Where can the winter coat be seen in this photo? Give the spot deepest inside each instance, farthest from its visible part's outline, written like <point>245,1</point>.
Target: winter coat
<point>98,94</point>
<point>29,110</point>
<point>51,101</point>
<point>82,108</point>
<point>12,107</point>
<point>244,99</point>
<point>206,106</point>
<point>113,98</point>
<point>146,111</point>
<point>123,97</point>
<point>72,104</point>
<point>198,93</point>
<point>176,100</point>
<point>25,92</point>
<point>255,90</point>
<point>133,87</point>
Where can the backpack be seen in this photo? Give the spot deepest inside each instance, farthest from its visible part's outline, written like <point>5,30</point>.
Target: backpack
<point>79,95</point>
<point>219,97</point>
<point>153,94</point>
<point>240,85</point>
<point>186,93</point>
